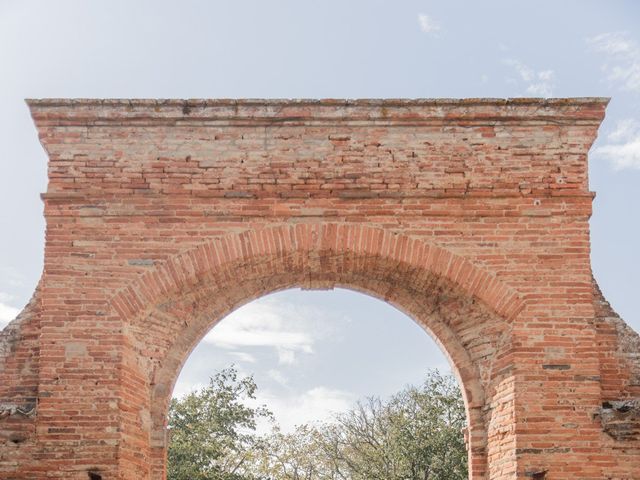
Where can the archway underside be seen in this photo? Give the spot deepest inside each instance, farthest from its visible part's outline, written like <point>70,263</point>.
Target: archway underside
<point>468,331</point>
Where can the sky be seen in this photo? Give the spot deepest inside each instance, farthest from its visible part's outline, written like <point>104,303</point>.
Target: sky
<point>317,351</point>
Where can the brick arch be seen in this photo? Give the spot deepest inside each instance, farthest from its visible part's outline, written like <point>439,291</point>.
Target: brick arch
<point>199,287</point>
<point>189,267</point>
<point>156,209</point>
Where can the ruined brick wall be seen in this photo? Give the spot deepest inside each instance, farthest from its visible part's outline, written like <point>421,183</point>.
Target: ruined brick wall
<point>19,387</point>
<point>469,215</point>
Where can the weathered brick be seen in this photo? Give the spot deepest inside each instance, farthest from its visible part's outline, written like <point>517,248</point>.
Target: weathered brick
<point>469,215</point>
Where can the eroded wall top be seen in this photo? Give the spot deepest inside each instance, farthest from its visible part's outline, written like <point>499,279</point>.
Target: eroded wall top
<point>319,148</point>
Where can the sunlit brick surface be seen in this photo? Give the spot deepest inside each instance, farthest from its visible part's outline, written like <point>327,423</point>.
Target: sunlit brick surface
<point>469,215</point>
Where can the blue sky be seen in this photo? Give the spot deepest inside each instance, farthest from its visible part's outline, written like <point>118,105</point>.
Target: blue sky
<point>315,352</point>
<point>284,49</point>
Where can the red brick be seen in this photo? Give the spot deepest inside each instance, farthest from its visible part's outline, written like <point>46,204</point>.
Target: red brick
<point>469,215</point>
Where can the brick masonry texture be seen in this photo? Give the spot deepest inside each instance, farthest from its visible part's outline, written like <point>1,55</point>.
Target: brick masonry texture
<point>469,215</point>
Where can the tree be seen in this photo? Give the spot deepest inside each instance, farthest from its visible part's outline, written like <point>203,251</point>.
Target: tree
<point>294,456</point>
<point>427,424</point>
<point>212,431</point>
<point>415,435</point>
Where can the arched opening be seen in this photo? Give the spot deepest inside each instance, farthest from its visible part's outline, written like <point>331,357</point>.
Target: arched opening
<point>313,354</point>
<point>165,215</point>
<point>436,318</point>
<point>466,312</point>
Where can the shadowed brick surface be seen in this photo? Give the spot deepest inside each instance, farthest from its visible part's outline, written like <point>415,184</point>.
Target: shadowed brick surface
<point>469,215</point>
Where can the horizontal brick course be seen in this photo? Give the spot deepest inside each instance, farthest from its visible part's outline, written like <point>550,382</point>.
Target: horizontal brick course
<point>469,215</point>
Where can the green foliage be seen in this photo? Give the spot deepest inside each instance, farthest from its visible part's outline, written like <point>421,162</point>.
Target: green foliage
<point>426,426</point>
<point>293,456</point>
<point>212,430</point>
<point>415,435</point>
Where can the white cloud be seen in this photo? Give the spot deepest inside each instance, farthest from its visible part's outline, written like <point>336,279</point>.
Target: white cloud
<point>184,388</point>
<point>289,408</point>
<point>623,58</point>
<point>315,405</point>
<point>278,377</point>
<point>11,277</point>
<point>623,145</point>
<point>538,83</point>
<point>428,24</point>
<point>244,357</point>
<point>5,297</point>
<point>287,356</point>
<point>286,328</point>
<point>7,313</point>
